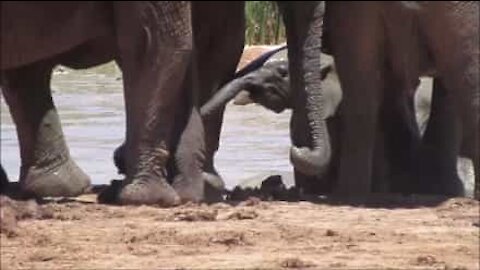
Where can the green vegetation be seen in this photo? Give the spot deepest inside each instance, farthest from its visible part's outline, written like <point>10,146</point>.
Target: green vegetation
<point>264,23</point>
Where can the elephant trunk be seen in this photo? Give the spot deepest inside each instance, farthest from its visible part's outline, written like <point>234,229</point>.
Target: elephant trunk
<point>309,103</point>
<point>224,95</point>
<point>231,89</point>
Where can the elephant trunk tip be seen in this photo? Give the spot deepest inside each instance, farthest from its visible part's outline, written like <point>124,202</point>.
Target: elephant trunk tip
<point>311,162</point>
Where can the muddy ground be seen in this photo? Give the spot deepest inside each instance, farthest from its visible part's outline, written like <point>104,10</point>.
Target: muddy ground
<point>415,232</point>
<point>386,232</point>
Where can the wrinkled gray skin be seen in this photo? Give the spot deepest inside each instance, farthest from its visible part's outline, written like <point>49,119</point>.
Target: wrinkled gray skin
<point>303,22</point>
<point>219,58</point>
<point>215,38</point>
<point>265,81</point>
<point>382,49</point>
<point>439,39</point>
<point>151,42</point>
<point>268,85</point>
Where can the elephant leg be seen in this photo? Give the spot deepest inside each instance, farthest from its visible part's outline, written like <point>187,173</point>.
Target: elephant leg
<point>119,158</point>
<point>219,41</point>
<point>358,130</point>
<point>438,161</point>
<point>189,159</point>
<point>3,180</point>
<point>360,66</point>
<point>381,163</point>
<point>47,168</point>
<point>214,182</point>
<point>451,32</point>
<point>402,135</point>
<point>476,165</point>
<point>155,46</point>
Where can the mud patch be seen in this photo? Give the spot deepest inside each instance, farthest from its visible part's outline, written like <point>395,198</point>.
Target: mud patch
<point>296,263</point>
<point>13,211</point>
<point>8,221</point>
<point>194,215</point>
<point>238,214</point>
<point>426,260</point>
<point>250,234</point>
<point>271,189</point>
<point>230,238</point>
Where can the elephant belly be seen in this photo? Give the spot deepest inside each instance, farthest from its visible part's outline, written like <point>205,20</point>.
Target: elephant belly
<point>32,32</point>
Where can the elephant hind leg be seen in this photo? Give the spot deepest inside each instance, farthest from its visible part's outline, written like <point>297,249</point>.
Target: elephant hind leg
<point>3,180</point>
<point>438,159</point>
<point>47,168</point>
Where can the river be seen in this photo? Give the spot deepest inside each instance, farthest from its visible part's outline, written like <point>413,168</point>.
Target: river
<point>254,141</point>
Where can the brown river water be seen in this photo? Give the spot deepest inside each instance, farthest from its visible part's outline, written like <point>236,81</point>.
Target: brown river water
<point>254,143</point>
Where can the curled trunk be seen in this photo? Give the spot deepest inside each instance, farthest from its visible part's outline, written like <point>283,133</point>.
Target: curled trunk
<point>311,152</point>
<point>240,82</point>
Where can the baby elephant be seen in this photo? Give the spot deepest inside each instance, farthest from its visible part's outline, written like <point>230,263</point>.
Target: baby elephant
<point>266,81</point>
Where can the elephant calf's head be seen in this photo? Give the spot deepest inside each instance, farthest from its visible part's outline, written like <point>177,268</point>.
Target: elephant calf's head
<point>268,86</point>
<point>266,82</point>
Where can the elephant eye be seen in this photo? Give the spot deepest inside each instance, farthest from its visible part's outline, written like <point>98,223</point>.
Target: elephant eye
<point>283,70</point>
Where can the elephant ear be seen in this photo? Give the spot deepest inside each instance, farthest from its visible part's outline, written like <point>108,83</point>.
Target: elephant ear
<point>257,63</point>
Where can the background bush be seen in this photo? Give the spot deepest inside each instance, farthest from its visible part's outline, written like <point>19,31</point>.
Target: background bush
<point>264,23</point>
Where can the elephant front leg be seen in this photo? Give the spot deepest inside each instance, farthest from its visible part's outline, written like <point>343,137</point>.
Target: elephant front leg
<point>356,37</point>
<point>189,159</point>
<point>437,167</point>
<point>357,138</point>
<point>219,47</point>
<point>214,182</point>
<point>155,44</point>
<point>47,168</point>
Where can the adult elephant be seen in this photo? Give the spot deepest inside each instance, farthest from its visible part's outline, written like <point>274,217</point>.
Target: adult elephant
<point>265,81</point>
<point>151,42</point>
<point>382,48</point>
<point>218,44</point>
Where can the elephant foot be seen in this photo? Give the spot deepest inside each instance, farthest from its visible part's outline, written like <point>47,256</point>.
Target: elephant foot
<point>214,180</point>
<point>63,180</point>
<point>312,163</point>
<point>189,190</point>
<point>312,185</point>
<point>109,195</point>
<point>148,191</point>
<point>447,186</point>
<point>214,187</point>
<point>119,159</point>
